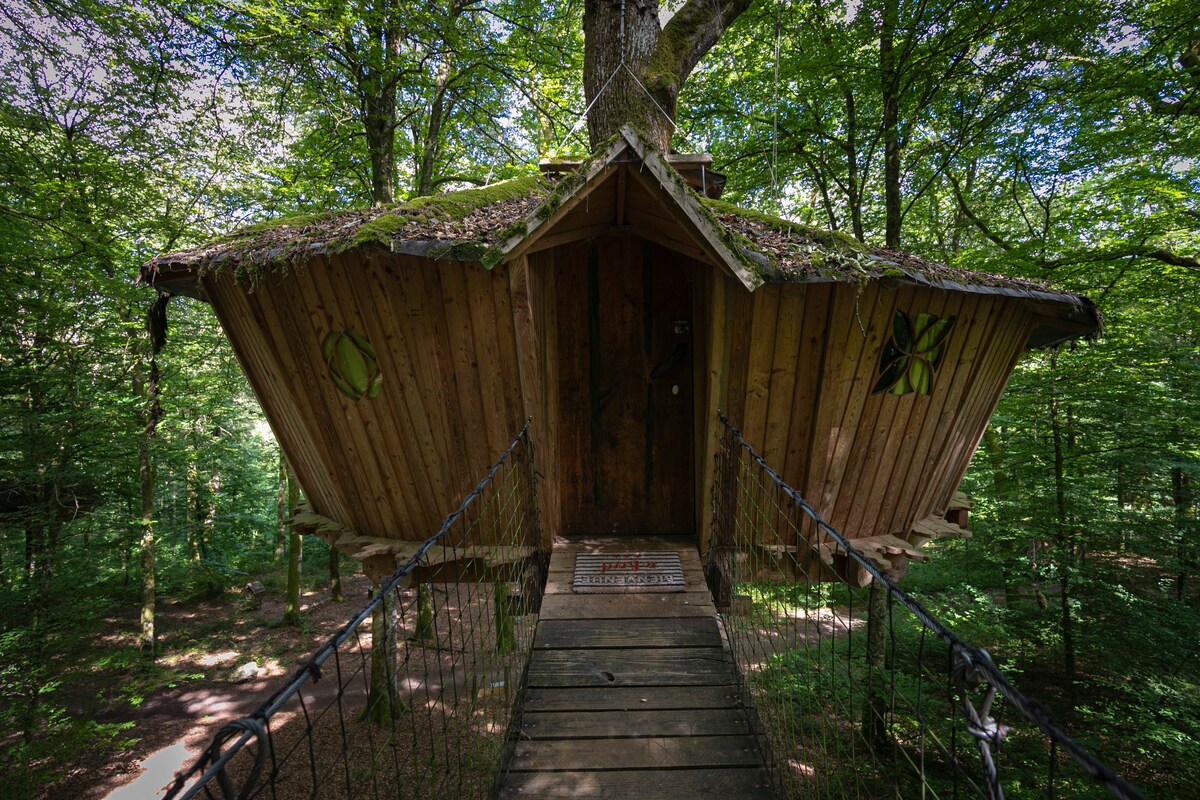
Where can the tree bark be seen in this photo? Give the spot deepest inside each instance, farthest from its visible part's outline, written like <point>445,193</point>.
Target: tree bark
<point>291,605</point>
<point>633,70</point>
<point>208,531</point>
<point>335,576</point>
<point>429,144</point>
<point>875,706</point>
<point>890,86</point>
<point>377,74</point>
<point>281,509</point>
<point>1181,497</point>
<point>379,126</point>
<point>148,398</point>
<point>384,703</point>
<point>1064,536</point>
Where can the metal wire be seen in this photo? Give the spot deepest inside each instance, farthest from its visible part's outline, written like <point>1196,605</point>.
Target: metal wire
<point>419,702</point>
<point>857,700</point>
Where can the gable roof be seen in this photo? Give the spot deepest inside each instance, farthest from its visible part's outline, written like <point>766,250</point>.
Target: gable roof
<point>627,186</point>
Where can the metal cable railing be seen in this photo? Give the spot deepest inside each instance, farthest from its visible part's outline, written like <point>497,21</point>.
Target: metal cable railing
<point>860,691</point>
<point>416,696</point>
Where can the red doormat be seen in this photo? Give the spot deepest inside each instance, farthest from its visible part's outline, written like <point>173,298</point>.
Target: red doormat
<point>598,573</point>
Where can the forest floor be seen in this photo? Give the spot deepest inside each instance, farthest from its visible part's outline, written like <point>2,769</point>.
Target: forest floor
<point>174,707</point>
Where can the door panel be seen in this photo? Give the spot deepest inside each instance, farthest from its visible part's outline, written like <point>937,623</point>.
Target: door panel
<point>625,355</point>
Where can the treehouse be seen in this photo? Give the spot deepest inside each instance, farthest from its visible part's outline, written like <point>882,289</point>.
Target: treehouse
<point>396,351</point>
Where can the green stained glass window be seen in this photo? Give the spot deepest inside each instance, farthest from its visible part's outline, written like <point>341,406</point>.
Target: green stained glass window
<point>910,359</point>
<point>352,364</point>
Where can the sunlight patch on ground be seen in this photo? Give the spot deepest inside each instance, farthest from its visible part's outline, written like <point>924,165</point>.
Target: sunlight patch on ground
<point>826,617</point>
<point>159,770</point>
<point>803,769</point>
<point>215,659</point>
<point>270,668</point>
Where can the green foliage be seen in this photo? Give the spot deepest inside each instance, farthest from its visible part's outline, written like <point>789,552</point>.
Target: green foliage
<point>1059,143</point>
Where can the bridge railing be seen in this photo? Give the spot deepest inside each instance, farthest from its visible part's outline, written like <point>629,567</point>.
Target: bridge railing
<point>859,690</point>
<point>416,695</point>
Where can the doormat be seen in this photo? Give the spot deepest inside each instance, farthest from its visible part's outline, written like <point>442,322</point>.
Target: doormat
<point>598,573</point>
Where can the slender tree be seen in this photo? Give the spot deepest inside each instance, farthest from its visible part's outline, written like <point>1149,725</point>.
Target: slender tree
<point>295,553</point>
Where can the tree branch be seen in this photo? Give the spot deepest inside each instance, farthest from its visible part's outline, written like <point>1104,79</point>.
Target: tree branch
<point>976,221</point>
<point>691,33</point>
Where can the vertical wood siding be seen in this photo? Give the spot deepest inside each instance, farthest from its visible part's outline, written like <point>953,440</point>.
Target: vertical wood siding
<point>445,337</point>
<point>800,364</point>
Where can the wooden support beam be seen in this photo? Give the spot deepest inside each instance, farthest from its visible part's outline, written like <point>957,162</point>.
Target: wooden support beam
<point>532,368</point>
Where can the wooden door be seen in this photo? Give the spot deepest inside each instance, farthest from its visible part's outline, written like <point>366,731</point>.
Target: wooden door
<point>625,352</point>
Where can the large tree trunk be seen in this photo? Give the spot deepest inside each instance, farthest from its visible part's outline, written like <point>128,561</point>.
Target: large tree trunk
<point>633,69</point>
<point>379,125</point>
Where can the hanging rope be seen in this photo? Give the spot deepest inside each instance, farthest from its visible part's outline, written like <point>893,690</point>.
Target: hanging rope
<point>624,64</point>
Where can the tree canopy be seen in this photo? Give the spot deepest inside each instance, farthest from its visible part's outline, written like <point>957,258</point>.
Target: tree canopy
<point>1007,136</point>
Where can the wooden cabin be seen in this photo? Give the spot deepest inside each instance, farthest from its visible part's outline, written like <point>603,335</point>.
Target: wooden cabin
<point>397,351</point>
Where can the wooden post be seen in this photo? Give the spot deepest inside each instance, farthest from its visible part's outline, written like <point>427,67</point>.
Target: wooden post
<point>717,328</point>
<point>533,375</point>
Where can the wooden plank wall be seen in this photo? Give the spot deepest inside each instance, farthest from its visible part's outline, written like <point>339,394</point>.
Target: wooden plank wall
<point>397,464</point>
<point>800,364</point>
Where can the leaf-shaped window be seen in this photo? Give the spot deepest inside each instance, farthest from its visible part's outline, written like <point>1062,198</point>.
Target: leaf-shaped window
<point>911,358</point>
<point>352,364</point>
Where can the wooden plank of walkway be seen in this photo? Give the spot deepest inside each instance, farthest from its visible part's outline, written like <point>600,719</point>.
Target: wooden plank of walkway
<point>632,695</point>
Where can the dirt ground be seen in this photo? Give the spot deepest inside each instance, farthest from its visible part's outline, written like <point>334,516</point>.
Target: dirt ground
<point>221,660</point>
<point>194,689</point>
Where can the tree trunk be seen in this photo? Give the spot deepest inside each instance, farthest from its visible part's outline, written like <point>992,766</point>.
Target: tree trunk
<point>384,703</point>
<point>148,398</point>
<point>291,606</point>
<point>281,509</point>
<point>1181,497</point>
<point>1064,536</point>
<point>430,147</point>
<point>208,531</point>
<point>890,85</point>
<point>875,706</point>
<point>633,70</point>
<point>379,125</point>
<point>192,480</point>
<point>617,56</point>
<point>853,182</point>
<point>335,576</point>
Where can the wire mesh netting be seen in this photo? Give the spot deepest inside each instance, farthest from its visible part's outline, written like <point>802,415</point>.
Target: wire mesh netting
<point>416,695</point>
<point>858,689</point>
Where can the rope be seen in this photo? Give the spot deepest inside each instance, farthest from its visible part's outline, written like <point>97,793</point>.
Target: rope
<point>623,64</point>
<point>973,664</point>
<point>234,736</point>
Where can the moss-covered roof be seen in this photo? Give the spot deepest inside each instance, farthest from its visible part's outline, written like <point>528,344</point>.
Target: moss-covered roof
<point>457,225</point>
<point>474,225</point>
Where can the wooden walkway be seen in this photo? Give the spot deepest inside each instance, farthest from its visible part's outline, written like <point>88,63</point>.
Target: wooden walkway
<point>633,695</point>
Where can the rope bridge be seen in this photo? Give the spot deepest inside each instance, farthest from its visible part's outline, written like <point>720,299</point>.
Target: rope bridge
<point>859,690</point>
<point>419,702</point>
